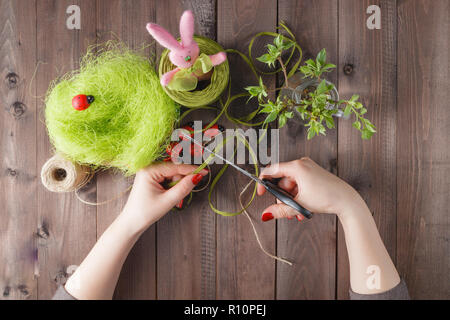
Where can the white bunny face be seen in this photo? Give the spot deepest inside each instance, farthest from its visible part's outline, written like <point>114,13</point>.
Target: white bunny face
<point>185,57</point>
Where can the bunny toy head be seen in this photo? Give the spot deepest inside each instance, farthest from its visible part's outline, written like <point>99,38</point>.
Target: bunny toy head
<point>183,54</point>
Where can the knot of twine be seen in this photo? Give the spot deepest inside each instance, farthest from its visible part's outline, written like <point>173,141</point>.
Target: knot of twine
<point>211,93</point>
<point>61,175</point>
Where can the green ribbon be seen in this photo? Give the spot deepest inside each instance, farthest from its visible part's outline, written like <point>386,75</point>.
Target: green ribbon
<point>186,79</point>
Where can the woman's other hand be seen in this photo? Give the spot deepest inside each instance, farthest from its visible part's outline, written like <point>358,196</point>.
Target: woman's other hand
<point>313,187</point>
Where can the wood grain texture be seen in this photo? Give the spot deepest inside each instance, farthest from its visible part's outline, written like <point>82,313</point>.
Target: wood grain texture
<point>18,173</point>
<point>126,20</point>
<point>400,71</point>
<point>187,239</point>
<point>243,270</point>
<point>369,60</point>
<point>71,225</point>
<point>423,154</point>
<point>311,245</point>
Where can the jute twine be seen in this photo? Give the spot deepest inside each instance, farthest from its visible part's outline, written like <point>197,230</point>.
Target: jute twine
<point>61,175</point>
<point>211,93</point>
<point>254,228</point>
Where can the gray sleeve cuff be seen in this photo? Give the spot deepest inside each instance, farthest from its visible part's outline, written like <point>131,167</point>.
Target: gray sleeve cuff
<point>399,292</point>
<point>62,294</point>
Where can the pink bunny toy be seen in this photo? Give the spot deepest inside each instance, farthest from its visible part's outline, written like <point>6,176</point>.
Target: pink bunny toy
<point>184,55</point>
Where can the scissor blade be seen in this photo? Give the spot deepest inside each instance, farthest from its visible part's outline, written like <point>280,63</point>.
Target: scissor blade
<point>244,172</point>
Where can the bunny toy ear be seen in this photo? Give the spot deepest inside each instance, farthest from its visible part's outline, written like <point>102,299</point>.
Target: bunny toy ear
<point>187,28</point>
<point>163,37</point>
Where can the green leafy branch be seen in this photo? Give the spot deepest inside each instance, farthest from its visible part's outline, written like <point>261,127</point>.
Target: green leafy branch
<point>315,69</point>
<point>277,109</point>
<point>314,106</point>
<point>362,124</point>
<point>274,54</point>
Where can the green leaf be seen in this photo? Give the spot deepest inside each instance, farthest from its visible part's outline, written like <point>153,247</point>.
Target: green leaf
<point>354,98</point>
<point>322,88</point>
<point>265,58</point>
<point>287,45</point>
<point>278,41</point>
<point>282,120</point>
<point>321,128</point>
<point>306,71</point>
<point>289,115</point>
<point>261,83</point>
<point>328,67</point>
<point>357,125</point>
<point>311,63</point>
<point>347,110</point>
<point>301,111</point>
<point>272,116</point>
<point>254,91</point>
<point>272,49</point>
<point>363,111</point>
<point>311,134</point>
<point>366,134</point>
<point>370,126</point>
<point>266,109</point>
<point>321,57</point>
<point>330,122</point>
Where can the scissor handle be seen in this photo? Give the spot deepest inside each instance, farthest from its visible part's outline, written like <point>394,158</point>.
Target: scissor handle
<point>286,198</point>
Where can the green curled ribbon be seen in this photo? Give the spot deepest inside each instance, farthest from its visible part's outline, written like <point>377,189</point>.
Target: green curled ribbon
<point>186,79</point>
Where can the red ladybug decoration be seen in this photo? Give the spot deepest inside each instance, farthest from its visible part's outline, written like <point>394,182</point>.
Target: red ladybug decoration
<point>82,102</point>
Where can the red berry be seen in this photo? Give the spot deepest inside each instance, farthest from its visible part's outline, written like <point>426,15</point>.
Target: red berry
<point>188,128</point>
<point>196,150</point>
<point>213,131</point>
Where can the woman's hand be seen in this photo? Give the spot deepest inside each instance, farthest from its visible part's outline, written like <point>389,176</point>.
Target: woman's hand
<point>97,275</point>
<point>313,187</point>
<point>322,192</point>
<point>149,201</point>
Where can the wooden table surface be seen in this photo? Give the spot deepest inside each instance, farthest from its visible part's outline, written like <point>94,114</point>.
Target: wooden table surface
<point>400,71</point>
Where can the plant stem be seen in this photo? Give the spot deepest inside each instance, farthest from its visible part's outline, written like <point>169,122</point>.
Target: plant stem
<point>286,82</point>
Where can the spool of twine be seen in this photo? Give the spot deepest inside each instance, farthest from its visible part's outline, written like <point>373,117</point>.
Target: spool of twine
<point>61,175</point>
<point>218,82</point>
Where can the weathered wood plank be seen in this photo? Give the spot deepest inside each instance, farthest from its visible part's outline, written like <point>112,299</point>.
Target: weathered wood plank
<point>367,66</point>
<point>243,270</point>
<point>71,225</point>
<point>18,178</point>
<point>311,245</point>
<point>186,239</point>
<point>423,148</point>
<point>126,20</point>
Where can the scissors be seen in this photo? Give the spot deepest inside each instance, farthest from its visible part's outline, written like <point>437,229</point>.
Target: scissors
<point>276,191</point>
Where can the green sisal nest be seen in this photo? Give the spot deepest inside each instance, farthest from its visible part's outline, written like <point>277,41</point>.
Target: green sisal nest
<point>218,83</point>
<point>130,121</point>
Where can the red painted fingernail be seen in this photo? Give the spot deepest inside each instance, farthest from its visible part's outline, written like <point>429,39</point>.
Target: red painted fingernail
<point>197,178</point>
<point>300,217</point>
<point>180,204</point>
<point>267,216</point>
